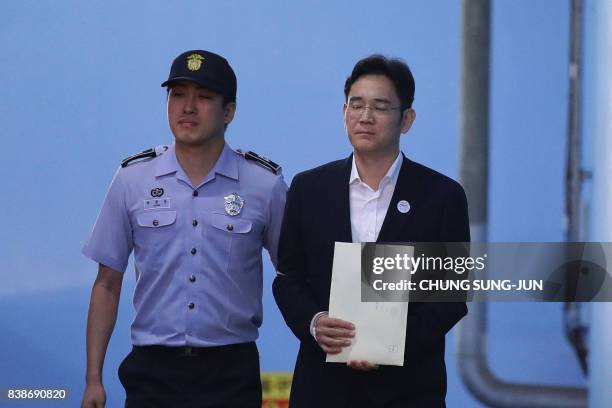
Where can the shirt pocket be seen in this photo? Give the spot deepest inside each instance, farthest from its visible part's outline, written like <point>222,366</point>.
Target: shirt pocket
<point>231,225</point>
<point>156,219</point>
<point>235,242</point>
<point>154,233</point>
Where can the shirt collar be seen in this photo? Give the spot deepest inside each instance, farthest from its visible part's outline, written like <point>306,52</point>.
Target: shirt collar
<point>227,163</point>
<point>394,170</point>
<point>354,173</point>
<point>167,163</point>
<point>391,176</point>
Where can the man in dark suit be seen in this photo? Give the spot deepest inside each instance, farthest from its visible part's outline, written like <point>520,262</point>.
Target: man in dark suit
<point>376,194</point>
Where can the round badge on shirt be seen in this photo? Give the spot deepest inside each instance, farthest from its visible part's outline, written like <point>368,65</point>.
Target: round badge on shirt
<point>403,206</point>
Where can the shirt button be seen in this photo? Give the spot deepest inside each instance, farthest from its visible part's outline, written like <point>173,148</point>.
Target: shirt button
<point>191,305</point>
<point>193,251</point>
<point>192,278</point>
<point>195,193</point>
<point>195,223</point>
<point>230,227</point>
<point>155,223</point>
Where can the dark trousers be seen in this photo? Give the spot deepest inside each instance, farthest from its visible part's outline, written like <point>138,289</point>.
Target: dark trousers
<point>184,377</point>
<point>362,396</point>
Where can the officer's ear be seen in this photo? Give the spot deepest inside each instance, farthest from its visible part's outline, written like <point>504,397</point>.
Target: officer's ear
<point>229,112</point>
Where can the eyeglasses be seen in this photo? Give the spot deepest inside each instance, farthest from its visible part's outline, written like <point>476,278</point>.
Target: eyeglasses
<point>358,108</point>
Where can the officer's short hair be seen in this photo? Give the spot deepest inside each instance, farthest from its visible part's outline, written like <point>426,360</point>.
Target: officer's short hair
<point>396,70</point>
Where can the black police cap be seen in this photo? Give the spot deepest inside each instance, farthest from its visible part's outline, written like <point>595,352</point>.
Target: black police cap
<point>205,68</point>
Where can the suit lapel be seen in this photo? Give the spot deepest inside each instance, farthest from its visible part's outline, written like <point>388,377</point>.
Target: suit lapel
<point>340,208</point>
<point>397,224</point>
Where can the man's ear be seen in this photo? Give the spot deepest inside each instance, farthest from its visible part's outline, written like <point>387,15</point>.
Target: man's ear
<point>408,117</point>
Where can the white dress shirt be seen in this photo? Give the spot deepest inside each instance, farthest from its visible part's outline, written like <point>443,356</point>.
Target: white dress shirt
<point>368,206</point>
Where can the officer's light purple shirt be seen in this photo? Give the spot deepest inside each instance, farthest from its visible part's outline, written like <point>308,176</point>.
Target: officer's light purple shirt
<point>198,268</point>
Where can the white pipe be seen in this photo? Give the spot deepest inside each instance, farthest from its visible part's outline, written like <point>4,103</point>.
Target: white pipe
<point>600,356</point>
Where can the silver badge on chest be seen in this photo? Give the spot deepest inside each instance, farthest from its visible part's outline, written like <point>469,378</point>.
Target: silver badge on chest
<point>233,204</point>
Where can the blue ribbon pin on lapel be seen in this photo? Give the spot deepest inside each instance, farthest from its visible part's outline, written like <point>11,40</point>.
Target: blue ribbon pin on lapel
<point>403,206</point>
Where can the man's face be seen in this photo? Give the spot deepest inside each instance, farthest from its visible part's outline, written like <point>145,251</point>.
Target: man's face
<point>373,117</point>
<point>196,115</point>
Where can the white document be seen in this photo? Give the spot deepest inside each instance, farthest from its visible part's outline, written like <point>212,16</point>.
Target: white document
<point>380,327</point>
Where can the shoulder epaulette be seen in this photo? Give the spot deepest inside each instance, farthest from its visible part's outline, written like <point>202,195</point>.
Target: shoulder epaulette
<point>262,161</point>
<point>145,154</point>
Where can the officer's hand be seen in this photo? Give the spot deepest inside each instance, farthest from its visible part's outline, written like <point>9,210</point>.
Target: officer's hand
<point>333,334</point>
<point>362,365</point>
<point>94,397</point>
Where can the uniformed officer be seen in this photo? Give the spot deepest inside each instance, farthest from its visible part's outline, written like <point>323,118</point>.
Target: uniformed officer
<point>196,213</point>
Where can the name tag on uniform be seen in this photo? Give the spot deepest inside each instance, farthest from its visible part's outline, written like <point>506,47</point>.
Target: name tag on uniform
<point>155,203</point>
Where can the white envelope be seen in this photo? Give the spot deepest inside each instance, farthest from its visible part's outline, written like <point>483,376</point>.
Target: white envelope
<point>380,327</point>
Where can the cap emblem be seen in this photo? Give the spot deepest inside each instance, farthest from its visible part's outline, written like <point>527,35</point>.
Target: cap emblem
<point>194,62</point>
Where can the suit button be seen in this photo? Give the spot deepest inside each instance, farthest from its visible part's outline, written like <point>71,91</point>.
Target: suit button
<point>191,305</point>
<point>192,278</point>
<point>194,223</point>
<point>230,227</point>
<point>193,251</point>
<point>195,193</point>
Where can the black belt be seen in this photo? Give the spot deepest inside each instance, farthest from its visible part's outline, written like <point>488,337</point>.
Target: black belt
<point>191,351</point>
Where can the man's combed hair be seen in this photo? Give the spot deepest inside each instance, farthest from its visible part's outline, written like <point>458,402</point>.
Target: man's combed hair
<point>396,70</point>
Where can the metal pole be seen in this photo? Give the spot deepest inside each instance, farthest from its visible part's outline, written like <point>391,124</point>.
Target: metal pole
<point>575,329</point>
<point>474,112</point>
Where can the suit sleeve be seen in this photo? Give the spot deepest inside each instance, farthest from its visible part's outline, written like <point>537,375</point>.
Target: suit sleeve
<point>291,288</point>
<point>434,320</point>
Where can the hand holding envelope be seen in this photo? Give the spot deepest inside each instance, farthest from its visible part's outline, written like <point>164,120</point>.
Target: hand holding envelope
<point>379,332</point>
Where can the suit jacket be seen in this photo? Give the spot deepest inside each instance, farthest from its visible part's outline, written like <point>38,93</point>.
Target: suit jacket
<point>316,215</point>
